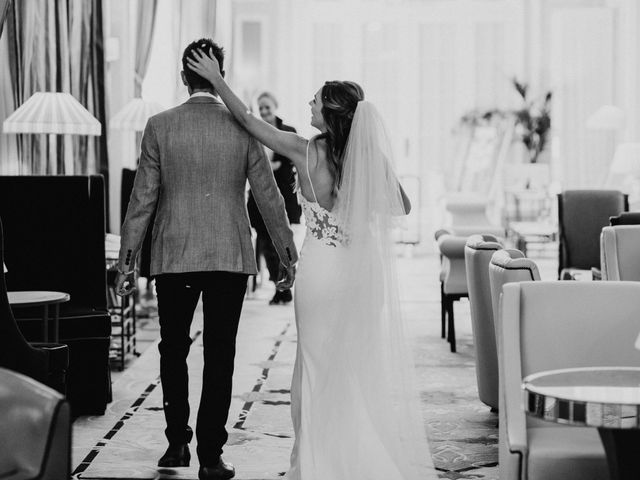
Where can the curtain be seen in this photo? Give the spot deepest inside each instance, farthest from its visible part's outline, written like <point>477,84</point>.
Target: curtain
<point>145,25</point>
<point>4,8</point>
<point>197,20</point>
<point>8,145</point>
<point>58,46</point>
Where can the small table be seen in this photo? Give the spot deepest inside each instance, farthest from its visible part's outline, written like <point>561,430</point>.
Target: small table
<point>532,232</point>
<point>41,299</point>
<point>607,398</point>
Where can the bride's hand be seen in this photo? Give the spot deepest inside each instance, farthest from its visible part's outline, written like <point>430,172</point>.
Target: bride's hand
<point>206,66</point>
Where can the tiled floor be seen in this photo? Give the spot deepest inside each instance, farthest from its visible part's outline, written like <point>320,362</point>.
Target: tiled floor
<point>127,441</point>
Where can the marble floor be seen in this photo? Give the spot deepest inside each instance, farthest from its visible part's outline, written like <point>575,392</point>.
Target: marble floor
<point>127,441</point>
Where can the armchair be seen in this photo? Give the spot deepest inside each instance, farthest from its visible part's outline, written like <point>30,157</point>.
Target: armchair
<point>625,218</point>
<point>554,325</point>
<point>477,252</point>
<point>35,430</point>
<point>453,276</point>
<point>453,282</point>
<point>44,362</point>
<point>620,259</point>
<point>55,240</point>
<point>508,266</point>
<point>581,216</point>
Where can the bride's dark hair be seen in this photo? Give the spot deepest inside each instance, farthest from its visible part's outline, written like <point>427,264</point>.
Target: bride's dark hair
<point>339,102</point>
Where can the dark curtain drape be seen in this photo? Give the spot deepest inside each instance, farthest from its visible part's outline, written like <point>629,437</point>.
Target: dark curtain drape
<point>59,46</point>
<point>4,9</point>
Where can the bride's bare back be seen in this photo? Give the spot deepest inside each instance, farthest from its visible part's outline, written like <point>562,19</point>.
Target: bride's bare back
<point>319,174</point>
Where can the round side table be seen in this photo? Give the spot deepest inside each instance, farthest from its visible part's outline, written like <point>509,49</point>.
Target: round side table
<point>41,299</point>
<point>607,398</point>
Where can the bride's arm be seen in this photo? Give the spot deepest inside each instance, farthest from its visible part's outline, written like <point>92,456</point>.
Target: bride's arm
<point>285,143</point>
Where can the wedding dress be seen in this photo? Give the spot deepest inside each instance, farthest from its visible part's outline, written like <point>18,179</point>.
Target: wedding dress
<point>354,408</point>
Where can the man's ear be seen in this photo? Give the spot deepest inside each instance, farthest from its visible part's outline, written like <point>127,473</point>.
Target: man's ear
<point>184,78</point>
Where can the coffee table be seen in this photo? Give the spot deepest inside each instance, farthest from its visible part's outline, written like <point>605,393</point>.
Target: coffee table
<point>607,398</point>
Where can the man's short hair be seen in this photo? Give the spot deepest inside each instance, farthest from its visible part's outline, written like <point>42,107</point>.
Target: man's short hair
<point>195,81</point>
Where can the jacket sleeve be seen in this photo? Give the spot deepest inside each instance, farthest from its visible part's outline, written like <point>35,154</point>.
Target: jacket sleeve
<point>142,203</point>
<point>270,203</point>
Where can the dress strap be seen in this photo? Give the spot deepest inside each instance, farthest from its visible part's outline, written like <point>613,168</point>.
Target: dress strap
<point>308,174</point>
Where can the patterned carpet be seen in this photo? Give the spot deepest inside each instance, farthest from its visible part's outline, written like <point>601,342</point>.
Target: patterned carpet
<point>127,441</point>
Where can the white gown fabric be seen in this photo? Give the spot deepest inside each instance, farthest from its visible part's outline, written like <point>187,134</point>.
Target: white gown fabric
<point>355,410</point>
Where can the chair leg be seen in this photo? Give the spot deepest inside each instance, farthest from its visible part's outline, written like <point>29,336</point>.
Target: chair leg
<point>443,308</point>
<point>452,329</point>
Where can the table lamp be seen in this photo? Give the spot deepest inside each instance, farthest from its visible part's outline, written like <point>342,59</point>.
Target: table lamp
<point>53,113</point>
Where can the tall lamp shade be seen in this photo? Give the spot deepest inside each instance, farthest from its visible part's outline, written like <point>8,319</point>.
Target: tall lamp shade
<point>54,113</point>
<point>134,115</point>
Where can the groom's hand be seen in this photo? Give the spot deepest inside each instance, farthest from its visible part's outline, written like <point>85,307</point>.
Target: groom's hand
<point>287,277</point>
<point>125,284</point>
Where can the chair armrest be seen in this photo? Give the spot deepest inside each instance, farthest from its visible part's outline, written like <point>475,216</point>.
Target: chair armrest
<point>452,246</point>
<point>510,371</point>
<point>466,231</point>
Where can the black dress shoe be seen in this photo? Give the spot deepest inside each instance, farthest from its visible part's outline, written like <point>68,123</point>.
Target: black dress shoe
<point>285,296</point>
<point>222,471</point>
<point>177,455</point>
<point>276,298</point>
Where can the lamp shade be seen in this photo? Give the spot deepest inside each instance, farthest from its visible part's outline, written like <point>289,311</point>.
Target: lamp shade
<point>134,115</point>
<point>54,113</point>
<point>607,117</point>
<point>626,160</point>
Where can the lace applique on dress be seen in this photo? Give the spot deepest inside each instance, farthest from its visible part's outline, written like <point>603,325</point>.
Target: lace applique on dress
<point>322,224</point>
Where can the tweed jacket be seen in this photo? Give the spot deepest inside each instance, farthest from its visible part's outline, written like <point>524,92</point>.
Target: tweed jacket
<point>194,164</point>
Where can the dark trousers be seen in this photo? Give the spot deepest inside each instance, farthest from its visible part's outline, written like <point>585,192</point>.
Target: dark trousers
<point>222,297</point>
<point>264,247</point>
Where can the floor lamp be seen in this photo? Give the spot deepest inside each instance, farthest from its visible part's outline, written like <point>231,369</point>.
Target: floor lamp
<point>53,113</point>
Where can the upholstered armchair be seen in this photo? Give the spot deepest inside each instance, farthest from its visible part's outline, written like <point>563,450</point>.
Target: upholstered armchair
<point>453,281</point>
<point>625,218</point>
<point>508,266</point>
<point>55,241</point>
<point>581,216</point>
<point>478,252</point>
<point>44,362</point>
<point>453,275</point>
<point>554,325</point>
<point>35,430</point>
<point>620,254</point>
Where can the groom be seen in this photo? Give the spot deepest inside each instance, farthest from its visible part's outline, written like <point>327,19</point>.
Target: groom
<point>194,165</point>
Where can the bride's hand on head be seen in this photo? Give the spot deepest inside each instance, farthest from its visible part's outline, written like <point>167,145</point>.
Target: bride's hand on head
<point>206,66</point>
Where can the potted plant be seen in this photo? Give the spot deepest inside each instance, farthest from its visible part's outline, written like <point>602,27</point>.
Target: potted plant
<point>533,120</point>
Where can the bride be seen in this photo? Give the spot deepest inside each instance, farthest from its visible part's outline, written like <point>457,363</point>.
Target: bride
<point>355,412</point>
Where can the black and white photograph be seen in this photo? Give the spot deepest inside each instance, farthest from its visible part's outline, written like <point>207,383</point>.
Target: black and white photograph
<point>319,239</point>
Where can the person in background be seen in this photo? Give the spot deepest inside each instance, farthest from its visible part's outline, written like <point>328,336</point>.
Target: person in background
<point>285,175</point>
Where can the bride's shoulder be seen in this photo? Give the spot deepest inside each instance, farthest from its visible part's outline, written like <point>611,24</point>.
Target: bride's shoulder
<point>317,151</point>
